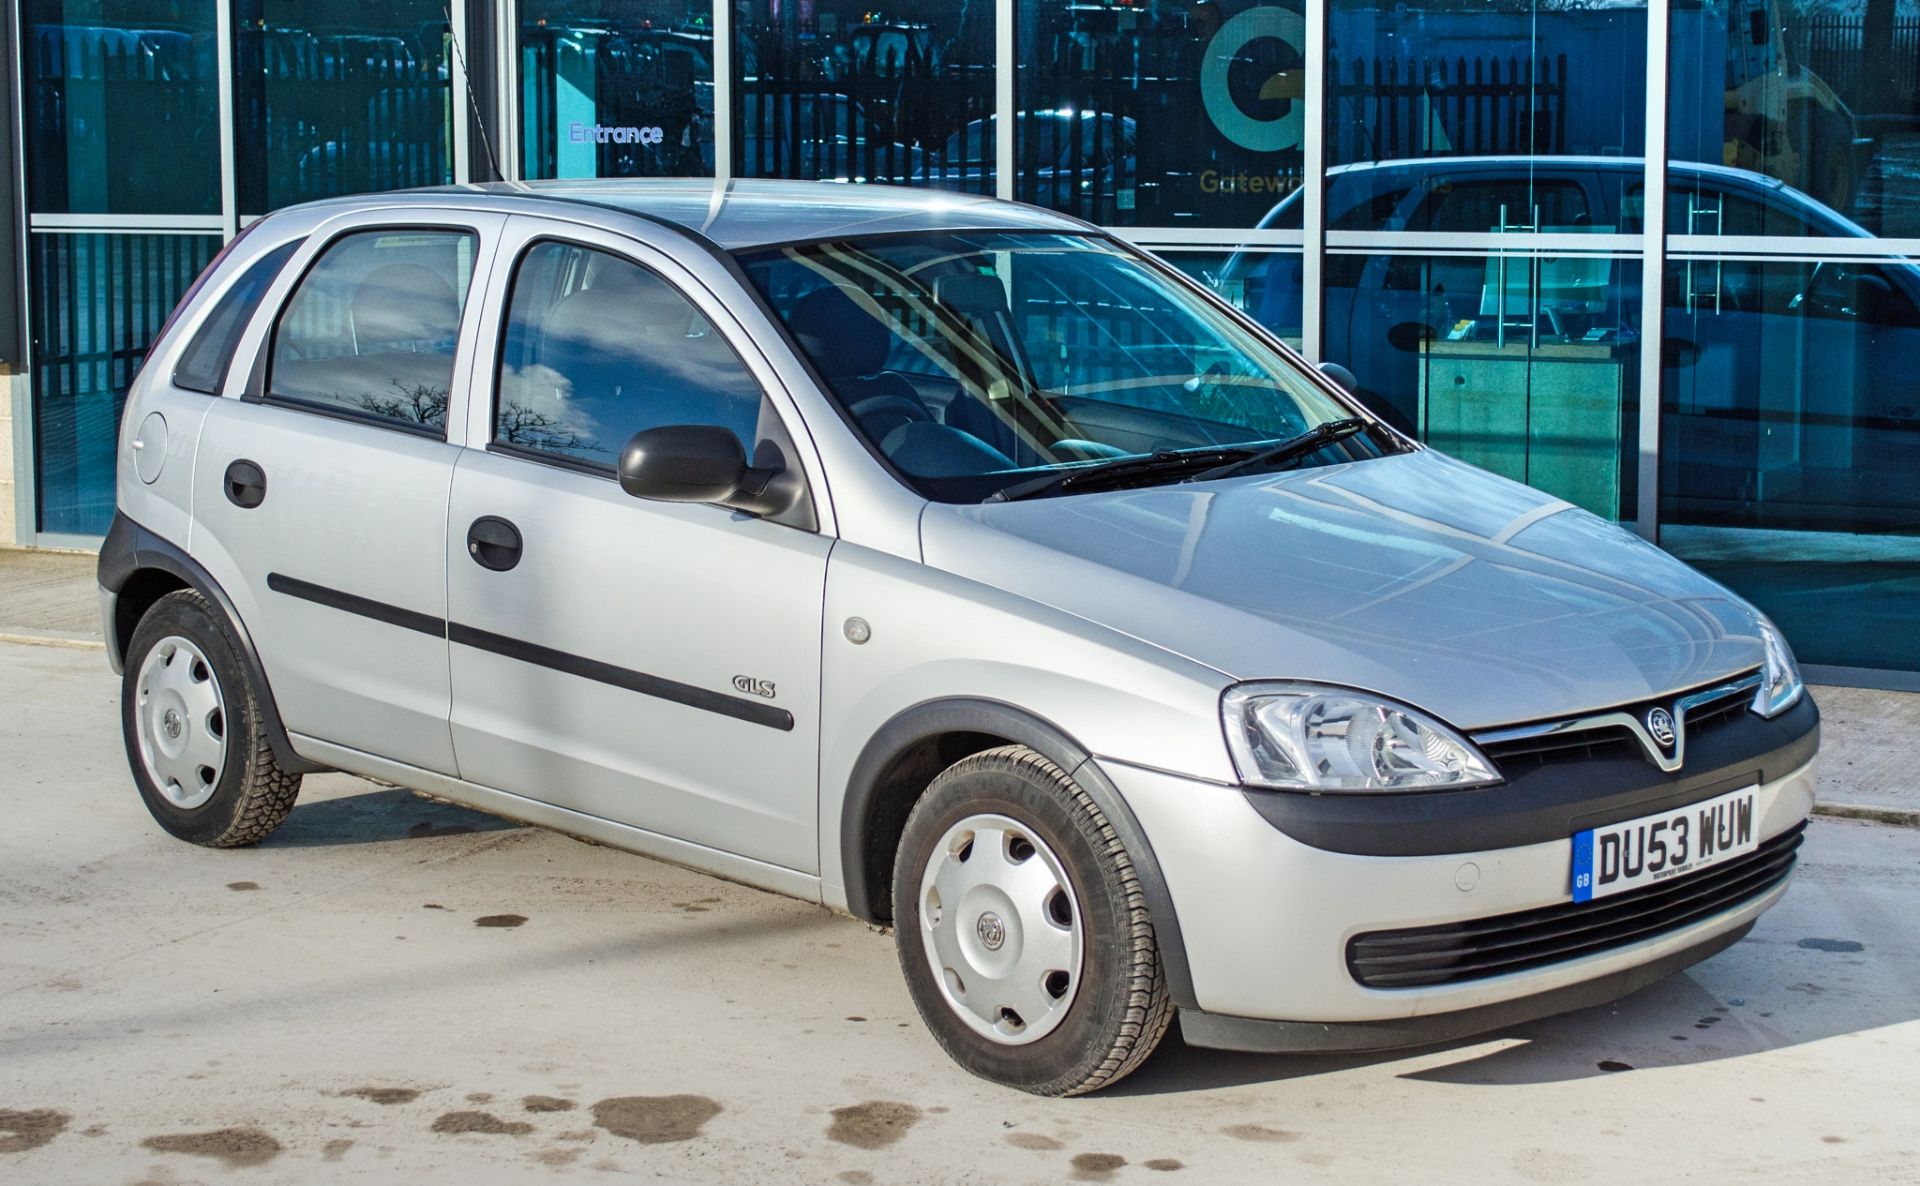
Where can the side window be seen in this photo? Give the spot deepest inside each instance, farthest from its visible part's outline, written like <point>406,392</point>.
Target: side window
<point>203,365</point>
<point>1479,206</point>
<point>598,348</point>
<point>372,328</point>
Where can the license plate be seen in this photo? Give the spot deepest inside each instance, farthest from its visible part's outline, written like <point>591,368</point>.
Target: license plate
<point>1639,852</point>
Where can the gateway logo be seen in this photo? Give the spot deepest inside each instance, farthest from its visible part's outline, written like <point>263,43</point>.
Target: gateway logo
<point>1259,135</point>
<point>581,133</point>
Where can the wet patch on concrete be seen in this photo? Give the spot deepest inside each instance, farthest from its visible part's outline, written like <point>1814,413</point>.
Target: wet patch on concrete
<point>1613,1064</point>
<point>1038,1142</point>
<point>1096,1167</point>
<point>1164,1164</point>
<point>1839,945</point>
<point>697,905</point>
<point>855,1177</point>
<point>872,1125</point>
<point>24,1130</point>
<point>236,1147</point>
<point>499,920</point>
<point>655,1119</point>
<point>431,906</point>
<point>547,1103</point>
<point>336,1149</point>
<point>1260,1132</point>
<point>243,885</point>
<point>558,1157</point>
<point>479,1097</point>
<point>485,1123</point>
<point>387,1096</point>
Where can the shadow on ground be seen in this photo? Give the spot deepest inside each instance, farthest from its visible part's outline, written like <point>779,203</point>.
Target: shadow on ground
<point>375,816</point>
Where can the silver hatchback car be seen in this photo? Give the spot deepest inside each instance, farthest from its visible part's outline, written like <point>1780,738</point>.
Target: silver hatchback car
<point>950,564</point>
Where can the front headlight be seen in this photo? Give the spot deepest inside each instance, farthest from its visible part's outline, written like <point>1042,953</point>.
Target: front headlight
<point>1307,737</point>
<point>1780,685</point>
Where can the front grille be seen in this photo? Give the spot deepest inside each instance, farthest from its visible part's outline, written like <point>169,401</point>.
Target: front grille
<point>1531,749</point>
<point>1482,947</point>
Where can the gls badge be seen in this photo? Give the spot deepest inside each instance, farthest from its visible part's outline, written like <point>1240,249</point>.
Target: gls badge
<point>752,686</point>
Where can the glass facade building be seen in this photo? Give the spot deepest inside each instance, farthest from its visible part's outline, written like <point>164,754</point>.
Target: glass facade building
<point>1652,256</point>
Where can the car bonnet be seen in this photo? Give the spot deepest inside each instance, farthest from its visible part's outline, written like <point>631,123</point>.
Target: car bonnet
<point>1415,576</point>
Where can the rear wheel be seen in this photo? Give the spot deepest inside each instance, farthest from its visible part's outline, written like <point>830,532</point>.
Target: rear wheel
<point>1022,929</point>
<point>192,723</point>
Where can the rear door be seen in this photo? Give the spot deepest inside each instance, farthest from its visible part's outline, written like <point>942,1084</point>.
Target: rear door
<point>320,494</point>
<point>651,663</point>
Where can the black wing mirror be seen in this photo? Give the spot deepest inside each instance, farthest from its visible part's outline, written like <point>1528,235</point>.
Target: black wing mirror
<point>1341,376</point>
<point>702,463</point>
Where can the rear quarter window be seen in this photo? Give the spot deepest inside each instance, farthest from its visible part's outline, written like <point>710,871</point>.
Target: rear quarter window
<point>203,365</point>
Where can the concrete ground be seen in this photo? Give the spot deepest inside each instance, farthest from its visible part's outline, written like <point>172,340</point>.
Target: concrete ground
<point>395,990</point>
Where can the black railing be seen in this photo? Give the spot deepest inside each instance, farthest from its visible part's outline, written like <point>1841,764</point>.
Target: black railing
<point>1394,108</point>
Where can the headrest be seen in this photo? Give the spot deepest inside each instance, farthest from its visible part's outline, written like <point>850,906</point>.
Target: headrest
<point>838,334</point>
<point>403,303</point>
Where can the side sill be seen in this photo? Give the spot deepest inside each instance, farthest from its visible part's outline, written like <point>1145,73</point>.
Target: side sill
<point>726,866</point>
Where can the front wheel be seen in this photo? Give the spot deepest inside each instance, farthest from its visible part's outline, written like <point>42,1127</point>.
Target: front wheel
<point>194,731</point>
<point>1022,929</point>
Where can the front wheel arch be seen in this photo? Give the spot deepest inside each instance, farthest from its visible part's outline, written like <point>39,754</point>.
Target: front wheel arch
<point>903,757</point>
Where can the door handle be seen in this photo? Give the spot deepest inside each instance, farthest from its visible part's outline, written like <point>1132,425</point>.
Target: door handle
<point>245,484</point>
<point>494,543</point>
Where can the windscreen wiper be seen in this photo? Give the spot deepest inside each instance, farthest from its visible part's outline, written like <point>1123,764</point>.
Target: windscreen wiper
<point>1126,469</point>
<point>1316,437</point>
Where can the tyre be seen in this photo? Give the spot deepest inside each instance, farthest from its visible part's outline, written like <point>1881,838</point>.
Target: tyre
<point>1022,929</point>
<point>192,723</point>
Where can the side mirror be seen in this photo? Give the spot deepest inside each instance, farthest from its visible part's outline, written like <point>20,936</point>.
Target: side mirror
<point>702,463</point>
<point>1341,376</point>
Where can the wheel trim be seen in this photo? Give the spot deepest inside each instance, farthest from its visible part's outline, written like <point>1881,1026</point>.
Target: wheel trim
<point>1001,928</point>
<point>181,721</point>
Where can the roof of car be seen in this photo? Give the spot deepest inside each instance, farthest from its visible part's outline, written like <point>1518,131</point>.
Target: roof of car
<point>753,213</point>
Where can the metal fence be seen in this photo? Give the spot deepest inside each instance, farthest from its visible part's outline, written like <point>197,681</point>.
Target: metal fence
<point>1392,108</point>
<point>1835,50</point>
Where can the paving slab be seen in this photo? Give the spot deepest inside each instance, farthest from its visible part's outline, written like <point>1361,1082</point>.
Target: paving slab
<point>393,990</point>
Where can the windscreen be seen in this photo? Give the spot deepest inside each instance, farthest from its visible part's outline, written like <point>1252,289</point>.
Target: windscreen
<point>975,362</point>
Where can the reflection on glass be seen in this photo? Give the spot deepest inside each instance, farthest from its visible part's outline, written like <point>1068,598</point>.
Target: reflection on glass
<point>841,90</point>
<point>1790,446</point>
<point>617,88</point>
<point>372,328</point>
<point>1524,365</point>
<point>104,84</point>
<point>339,96</point>
<point>98,301</point>
<point>1511,79</point>
<point>1262,282</point>
<point>1160,114</point>
<point>1824,97</point>
<point>598,348</point>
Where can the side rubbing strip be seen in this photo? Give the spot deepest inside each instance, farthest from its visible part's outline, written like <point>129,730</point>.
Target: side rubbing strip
<point>366,607</point>
<point>621,677</point>
<point>751,711</point>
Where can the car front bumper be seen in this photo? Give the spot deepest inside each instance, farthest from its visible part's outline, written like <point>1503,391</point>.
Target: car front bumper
<point>1265,921</point>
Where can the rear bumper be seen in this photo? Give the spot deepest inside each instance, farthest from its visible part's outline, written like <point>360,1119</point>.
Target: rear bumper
<point>1267,920</point>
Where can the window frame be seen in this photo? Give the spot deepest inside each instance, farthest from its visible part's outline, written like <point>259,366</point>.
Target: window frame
<point>580,465</point>
<point>259,386</point>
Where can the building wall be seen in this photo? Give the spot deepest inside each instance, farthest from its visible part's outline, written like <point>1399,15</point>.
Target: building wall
<point>1651,257</point>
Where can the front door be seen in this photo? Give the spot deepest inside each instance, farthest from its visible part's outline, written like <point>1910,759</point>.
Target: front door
<point>649,663</point>
<point>320,498</point>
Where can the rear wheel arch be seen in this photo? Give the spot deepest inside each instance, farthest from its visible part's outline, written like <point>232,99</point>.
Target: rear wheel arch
<point>904,755</point>
<point>139,568</point>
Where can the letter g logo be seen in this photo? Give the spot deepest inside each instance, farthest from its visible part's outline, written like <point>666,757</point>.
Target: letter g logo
<point>1260,135</point>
